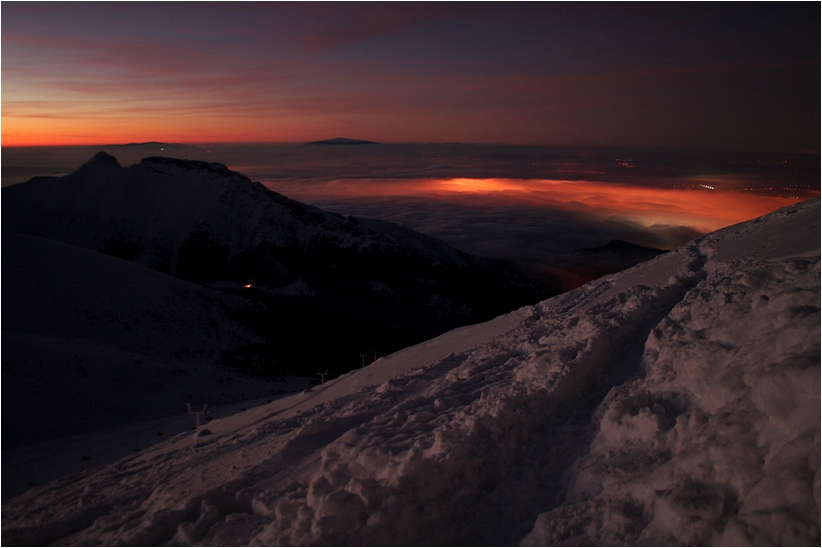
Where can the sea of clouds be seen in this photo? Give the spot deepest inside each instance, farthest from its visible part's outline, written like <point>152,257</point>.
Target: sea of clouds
<point>658,199</point>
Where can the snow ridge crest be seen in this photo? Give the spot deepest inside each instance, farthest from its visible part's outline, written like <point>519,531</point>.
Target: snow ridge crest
<point>164,164</point>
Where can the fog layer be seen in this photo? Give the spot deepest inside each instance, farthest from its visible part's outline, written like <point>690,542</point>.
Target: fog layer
<point>532,205</point>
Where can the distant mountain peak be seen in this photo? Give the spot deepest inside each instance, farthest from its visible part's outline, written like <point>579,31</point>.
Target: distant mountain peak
<point>342,141</point>
<point>102,158</point>
<point>162,164</point>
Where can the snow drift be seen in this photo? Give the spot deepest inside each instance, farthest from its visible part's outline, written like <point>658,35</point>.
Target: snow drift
<point>673,403</point>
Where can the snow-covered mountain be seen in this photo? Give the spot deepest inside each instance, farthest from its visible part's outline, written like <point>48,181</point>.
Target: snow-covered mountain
<point>362,284</point>
<point>91,341</point>
<point>677,402</point>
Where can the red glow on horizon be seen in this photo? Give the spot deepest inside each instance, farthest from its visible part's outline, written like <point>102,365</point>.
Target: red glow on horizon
<point>700,208</point>
<point>44,132</point>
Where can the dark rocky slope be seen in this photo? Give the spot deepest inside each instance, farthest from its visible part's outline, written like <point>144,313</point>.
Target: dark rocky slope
<point>332,286</point>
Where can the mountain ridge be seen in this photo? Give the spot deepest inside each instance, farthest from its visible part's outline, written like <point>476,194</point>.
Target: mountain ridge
<point>202,222</point>
<point>91,341</point>
<point>676,402</point>
<point>342,141</point>
<point>620,246</point>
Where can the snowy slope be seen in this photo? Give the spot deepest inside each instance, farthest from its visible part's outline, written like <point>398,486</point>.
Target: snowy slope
<point>674,403</point>
<point>56,289</point>
<point>91,341</point>
<point>36,464</point>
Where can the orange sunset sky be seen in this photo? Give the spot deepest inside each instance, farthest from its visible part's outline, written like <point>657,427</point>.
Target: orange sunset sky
<point>736,76</point>
<point>720,76</point>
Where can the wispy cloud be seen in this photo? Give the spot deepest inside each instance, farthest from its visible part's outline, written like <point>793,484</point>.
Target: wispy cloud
<point>511,72</point>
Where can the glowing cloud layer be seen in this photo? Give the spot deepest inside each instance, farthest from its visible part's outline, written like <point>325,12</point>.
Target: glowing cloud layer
<point>702,210</point>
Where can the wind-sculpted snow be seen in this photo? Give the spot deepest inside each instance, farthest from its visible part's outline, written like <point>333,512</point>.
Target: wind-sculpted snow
<point>718,441</point>
<point>674,403</point>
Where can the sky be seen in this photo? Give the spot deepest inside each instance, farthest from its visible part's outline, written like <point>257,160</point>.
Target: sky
<point>743,76</point>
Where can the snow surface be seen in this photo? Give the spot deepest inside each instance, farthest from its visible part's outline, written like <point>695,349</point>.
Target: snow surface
<point>36,464</point>
<point>674,403</point>
<point>91,342</point>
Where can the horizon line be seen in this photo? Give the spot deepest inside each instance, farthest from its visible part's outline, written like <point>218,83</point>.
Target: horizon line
<point>453,143</point>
